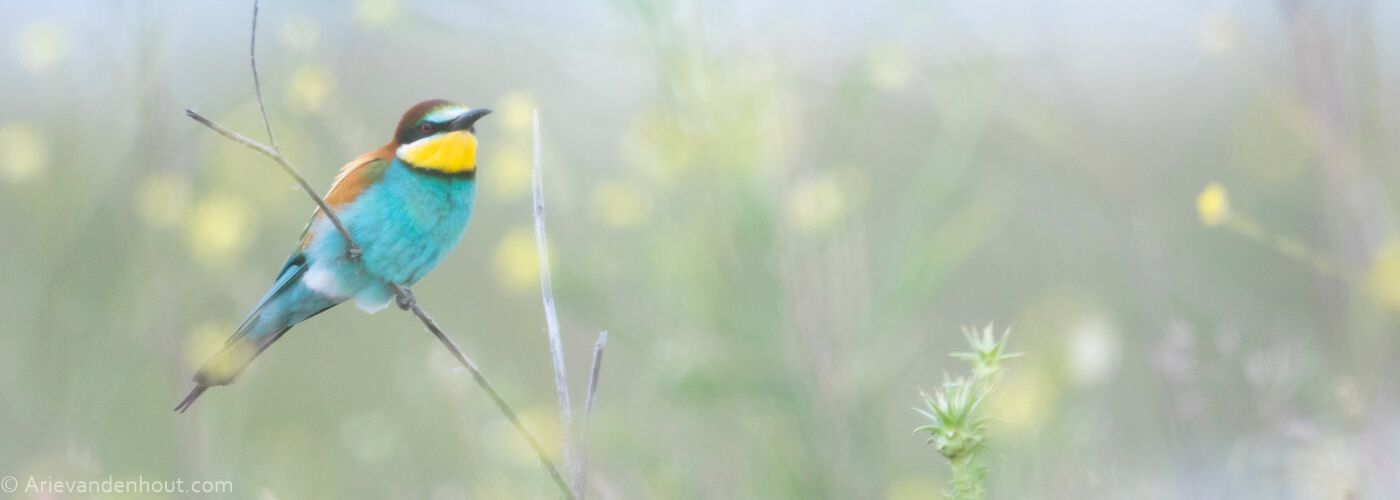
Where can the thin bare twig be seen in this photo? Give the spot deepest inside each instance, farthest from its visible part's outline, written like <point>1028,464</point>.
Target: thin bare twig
<point>593,377</point>
<point>257,82</point>
<point>556,348</point>
<point>581,479</point>
<point>353,250</point>
<point>489,388</point>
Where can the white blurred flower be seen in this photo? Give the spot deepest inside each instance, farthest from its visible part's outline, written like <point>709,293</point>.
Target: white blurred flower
<point>300,32</point>
<point>817,203</point>
<point>1174,356</point>
<point>891,68</point>
<point>1094,349</point>
<point>1268,372</point>
<point>1219,34</point>
<point>1327,468</point>
<point>1227,340</point>
<point>41,44</point>
<point>376,13</point>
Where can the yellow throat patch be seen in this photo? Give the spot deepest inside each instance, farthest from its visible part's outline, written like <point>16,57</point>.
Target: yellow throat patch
<point>449,153</point>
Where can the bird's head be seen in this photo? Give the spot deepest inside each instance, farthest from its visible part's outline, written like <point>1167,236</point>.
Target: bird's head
<point>437,136</point>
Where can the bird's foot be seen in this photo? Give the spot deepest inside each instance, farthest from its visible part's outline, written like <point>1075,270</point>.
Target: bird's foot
<point>406,300</point>
<point>355,253</point>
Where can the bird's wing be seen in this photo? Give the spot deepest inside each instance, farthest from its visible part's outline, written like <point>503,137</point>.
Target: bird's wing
<point>354,178</point>
<point>253,336</point>
<point>358,175</point>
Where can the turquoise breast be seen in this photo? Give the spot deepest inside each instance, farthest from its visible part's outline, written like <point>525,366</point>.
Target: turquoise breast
<point>406,224</point>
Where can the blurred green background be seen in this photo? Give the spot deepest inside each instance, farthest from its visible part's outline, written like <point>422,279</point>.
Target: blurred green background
<point>782,211</point>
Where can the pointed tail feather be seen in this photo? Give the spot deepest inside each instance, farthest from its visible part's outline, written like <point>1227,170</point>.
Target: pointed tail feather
<point>225,367</point>
<point>189,400</point>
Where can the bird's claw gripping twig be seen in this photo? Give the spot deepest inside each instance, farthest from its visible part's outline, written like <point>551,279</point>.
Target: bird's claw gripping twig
<point>355,253</point>
<point>406,300</point>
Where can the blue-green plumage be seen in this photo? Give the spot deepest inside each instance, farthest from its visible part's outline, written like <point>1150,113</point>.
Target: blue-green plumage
<point>405,224</point>
<point>406,218</point>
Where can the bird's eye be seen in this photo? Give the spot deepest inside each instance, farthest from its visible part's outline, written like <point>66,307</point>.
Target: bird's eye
<point>426,127</point>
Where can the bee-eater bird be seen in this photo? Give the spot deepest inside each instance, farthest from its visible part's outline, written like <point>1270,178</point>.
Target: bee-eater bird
<point>406,204</point>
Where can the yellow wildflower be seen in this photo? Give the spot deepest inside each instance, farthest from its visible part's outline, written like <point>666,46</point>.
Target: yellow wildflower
<point>220,228</point>
<point>309,88</point>
<point>620,203</point>
<point>517,261</point>
<point>1384,277</point>
<point>162,199</point>
<point>24,152</point>
<point>1213,205</point>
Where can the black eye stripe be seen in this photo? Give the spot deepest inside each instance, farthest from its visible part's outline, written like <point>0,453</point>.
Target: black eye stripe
<point>416,132</point>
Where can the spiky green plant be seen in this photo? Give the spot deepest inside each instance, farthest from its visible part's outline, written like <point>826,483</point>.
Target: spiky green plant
<point>988,354</point>
<point>958,429</point>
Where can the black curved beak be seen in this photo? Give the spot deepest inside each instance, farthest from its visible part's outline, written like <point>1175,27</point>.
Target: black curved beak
<point>468,120</point>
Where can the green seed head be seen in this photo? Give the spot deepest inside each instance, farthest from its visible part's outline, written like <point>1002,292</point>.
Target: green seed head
<point>956,429</point>
<point>988,354</point>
